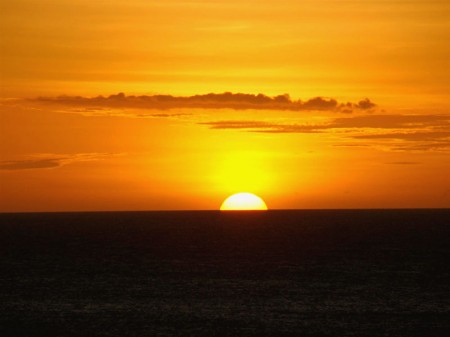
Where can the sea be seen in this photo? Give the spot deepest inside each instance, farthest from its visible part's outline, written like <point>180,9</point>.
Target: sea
<point>209,273</point>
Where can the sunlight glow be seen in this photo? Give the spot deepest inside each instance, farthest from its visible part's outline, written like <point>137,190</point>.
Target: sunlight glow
<point>243,201</point>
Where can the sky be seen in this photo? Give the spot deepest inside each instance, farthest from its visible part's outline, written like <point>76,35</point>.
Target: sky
<point>166,105</point>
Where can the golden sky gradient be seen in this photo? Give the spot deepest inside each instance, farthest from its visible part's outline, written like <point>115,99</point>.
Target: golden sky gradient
<point>377,136</point>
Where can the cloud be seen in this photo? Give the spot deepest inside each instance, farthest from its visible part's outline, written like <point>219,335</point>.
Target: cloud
<point>266,127</point>
<point>366,104</point>
<point>404,163</point>
<point>31,164</point>
<point>397,132</point>
<point>319,103</point>
<point>351,145</point>
<point>226,100</point>
<point>404,122</point>
<point>424,146</point>
<point>409,136</point>
<point>419,140</point>
<point>392,121</point>
<point>48,161</point>
<point>163,115</point>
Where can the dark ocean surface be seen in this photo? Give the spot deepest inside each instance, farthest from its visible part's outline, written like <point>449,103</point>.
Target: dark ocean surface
<point>275,273</point>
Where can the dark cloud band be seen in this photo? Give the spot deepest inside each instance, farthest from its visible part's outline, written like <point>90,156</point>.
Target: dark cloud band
<point>227,100</point>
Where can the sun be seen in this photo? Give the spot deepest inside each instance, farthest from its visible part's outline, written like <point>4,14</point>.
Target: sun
<point>243,202</point>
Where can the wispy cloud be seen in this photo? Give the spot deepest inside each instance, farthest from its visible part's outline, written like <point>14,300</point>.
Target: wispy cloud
<point>390,121</point>
<point>227,100</point>
<point>164,115</point>
<point>427,132</point>
<point>404,163</point>
<point>409,136</point>
<point>407,122</point>
<point>28,164</point>
<point>49,161</point>
<point>267,127</point>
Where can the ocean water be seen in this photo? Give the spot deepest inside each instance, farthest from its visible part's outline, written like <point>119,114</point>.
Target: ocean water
<point>275,273</point>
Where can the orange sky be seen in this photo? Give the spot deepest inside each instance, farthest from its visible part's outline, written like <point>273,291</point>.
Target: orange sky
<point>141,150</point>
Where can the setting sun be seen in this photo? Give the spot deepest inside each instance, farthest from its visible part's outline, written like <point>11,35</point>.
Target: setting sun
<point>243,202</point>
